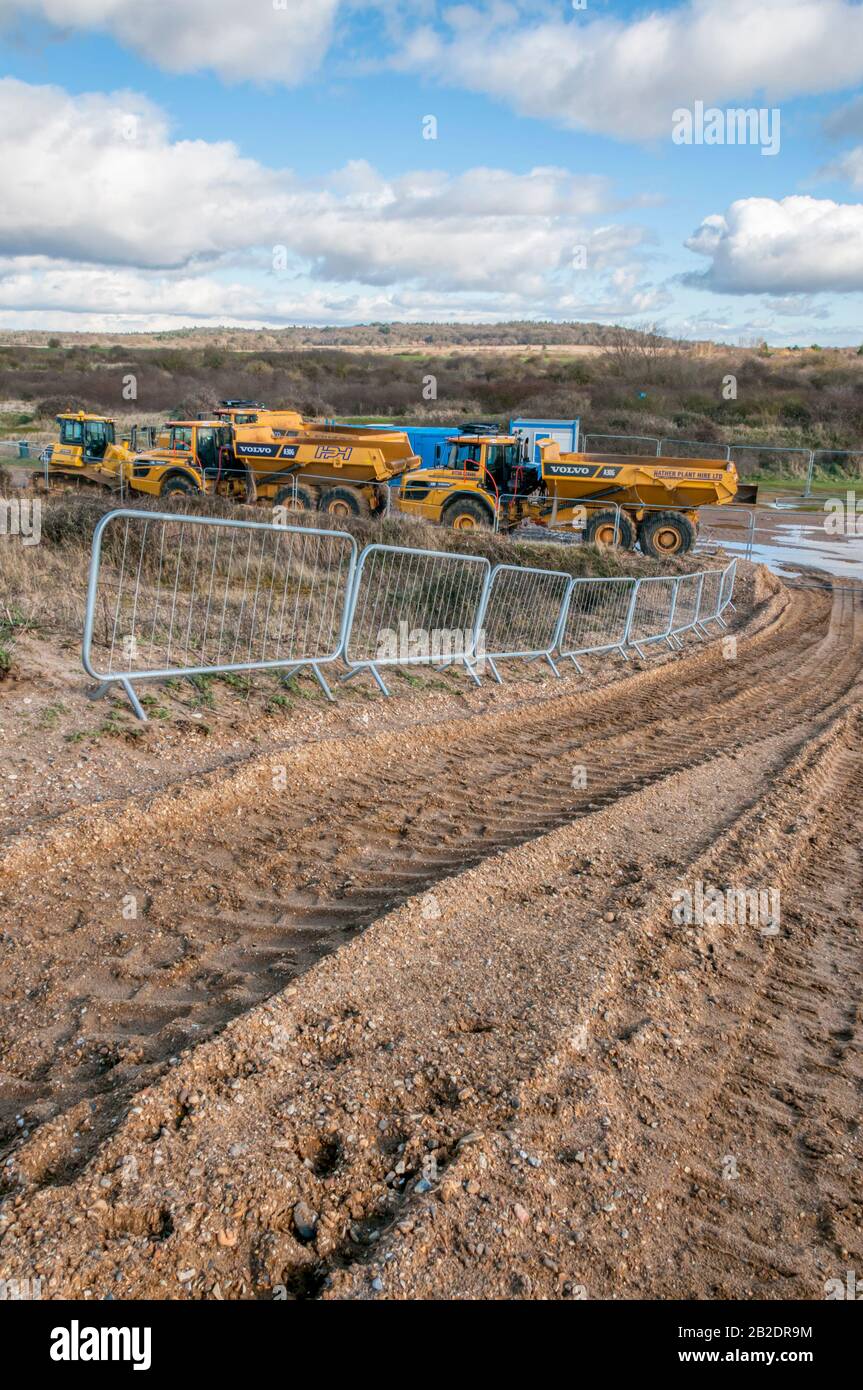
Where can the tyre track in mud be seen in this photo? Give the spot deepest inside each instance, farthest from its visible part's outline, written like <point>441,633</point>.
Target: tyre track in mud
<point>786,1117</point>
<point>233,909</point>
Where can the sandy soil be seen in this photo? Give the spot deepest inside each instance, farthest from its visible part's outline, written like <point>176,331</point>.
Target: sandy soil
<point>395,1007</point>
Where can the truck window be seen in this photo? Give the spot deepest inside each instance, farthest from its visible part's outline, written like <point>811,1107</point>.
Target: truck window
<point>181,438</point>
<point>465,456</point>
<point>71,431</point>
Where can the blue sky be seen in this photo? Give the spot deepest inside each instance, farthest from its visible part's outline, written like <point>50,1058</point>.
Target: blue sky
<point>264,161</point>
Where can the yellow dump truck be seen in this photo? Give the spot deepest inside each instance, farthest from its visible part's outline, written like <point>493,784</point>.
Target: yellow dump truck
<point>612,498</point>
<point>330,468</point>
<point>325,468</point>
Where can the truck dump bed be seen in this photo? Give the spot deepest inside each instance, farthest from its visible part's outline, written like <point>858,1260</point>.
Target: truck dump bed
<point>327,451</point>
<point>637,480</point>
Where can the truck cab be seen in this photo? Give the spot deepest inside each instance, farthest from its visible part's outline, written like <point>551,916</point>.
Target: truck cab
<point>252,416</point>
<point>480,470</point>
<point>196,455</point>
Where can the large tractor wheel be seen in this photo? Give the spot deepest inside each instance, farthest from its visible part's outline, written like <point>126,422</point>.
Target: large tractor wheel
<point>177,483</point>
<point>467,514</point>
<point>607,528</point>
<point>305,499</point>
<point>344,503</point>
<point>666,533</point>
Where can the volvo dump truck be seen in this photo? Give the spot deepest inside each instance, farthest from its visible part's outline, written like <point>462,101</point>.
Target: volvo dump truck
<point>613,499</point>
<point>314,468</point>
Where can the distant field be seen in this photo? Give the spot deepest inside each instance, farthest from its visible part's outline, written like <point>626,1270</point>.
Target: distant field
<point>623,384</point>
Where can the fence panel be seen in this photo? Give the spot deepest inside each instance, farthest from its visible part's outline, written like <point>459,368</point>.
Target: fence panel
<point>598,617</point>
<point>692,448</point>
<point>172,595</point>
<point>414,607</point>
<point>726,588</point>
<point>687,605</point>
<point>635,440</point>
<point>711,595</point>
<point>523,614</point>
<point>653,615</point>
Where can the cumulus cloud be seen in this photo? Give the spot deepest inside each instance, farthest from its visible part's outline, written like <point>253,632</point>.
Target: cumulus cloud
<point>98,179</point>
<point>109,212</point>
<point>625,76</point>
<point>791,246</point>
<point>271,40</point>
<point>848,168</point>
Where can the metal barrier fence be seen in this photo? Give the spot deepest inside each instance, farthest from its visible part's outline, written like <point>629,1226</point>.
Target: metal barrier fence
<point>711,599</point>
<point>414,607</point>
<point>726,589</point>
<point>522,615</point>
<point>687,606</point>
<point>180,596</point>
<point>598,617</point>
<point>653,615</point>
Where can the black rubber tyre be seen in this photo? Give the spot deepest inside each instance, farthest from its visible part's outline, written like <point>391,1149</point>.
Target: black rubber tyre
<point>343,502</point>
<point>304,500</point>
<point>176,483</point>
<point>666,533</point>
<point>467,514</point>
<point>607,528</point>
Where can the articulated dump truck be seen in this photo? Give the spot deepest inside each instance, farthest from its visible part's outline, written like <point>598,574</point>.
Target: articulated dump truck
<point>614,499</point>
<point>251,455</point>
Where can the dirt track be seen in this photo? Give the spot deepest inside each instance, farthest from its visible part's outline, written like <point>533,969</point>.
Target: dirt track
<point>600,1100</point>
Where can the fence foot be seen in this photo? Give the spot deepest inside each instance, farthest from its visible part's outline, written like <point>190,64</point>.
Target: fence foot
<point>471,672</point>
<point>129,690</point>
<point>318,675</point>
<point>372,670</point>
<point>550,661</point>
<point>494,671</point>
<point>288,675</point>
<point>579,668</point>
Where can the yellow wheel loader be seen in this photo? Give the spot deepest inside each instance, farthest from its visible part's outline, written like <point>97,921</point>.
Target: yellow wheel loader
<point>612,499</point>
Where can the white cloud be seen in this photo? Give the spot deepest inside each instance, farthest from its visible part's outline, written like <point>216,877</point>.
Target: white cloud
<point>848,167</point>
<point>37,292</point>
<point>106,213</point>
<point>624,77</point>
<point>268,40</point>
<point>98,179</point>
<point>796,245</point>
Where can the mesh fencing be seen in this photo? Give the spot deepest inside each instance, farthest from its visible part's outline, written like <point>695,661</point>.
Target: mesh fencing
<point>523,611</point>
<point>598,614</point>
<point>653,613</point>
<point>181,595</point>
<point>415,606</point>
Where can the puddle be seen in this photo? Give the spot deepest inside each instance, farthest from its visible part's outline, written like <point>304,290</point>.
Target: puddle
<point>790,542</point>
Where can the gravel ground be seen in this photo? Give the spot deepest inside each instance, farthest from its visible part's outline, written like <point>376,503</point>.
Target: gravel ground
<point>412,1019</point>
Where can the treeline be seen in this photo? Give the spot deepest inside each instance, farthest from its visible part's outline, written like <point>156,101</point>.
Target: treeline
<point>813,399</point>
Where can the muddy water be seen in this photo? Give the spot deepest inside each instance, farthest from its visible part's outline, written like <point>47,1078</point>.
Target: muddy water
<point>790,540</point>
